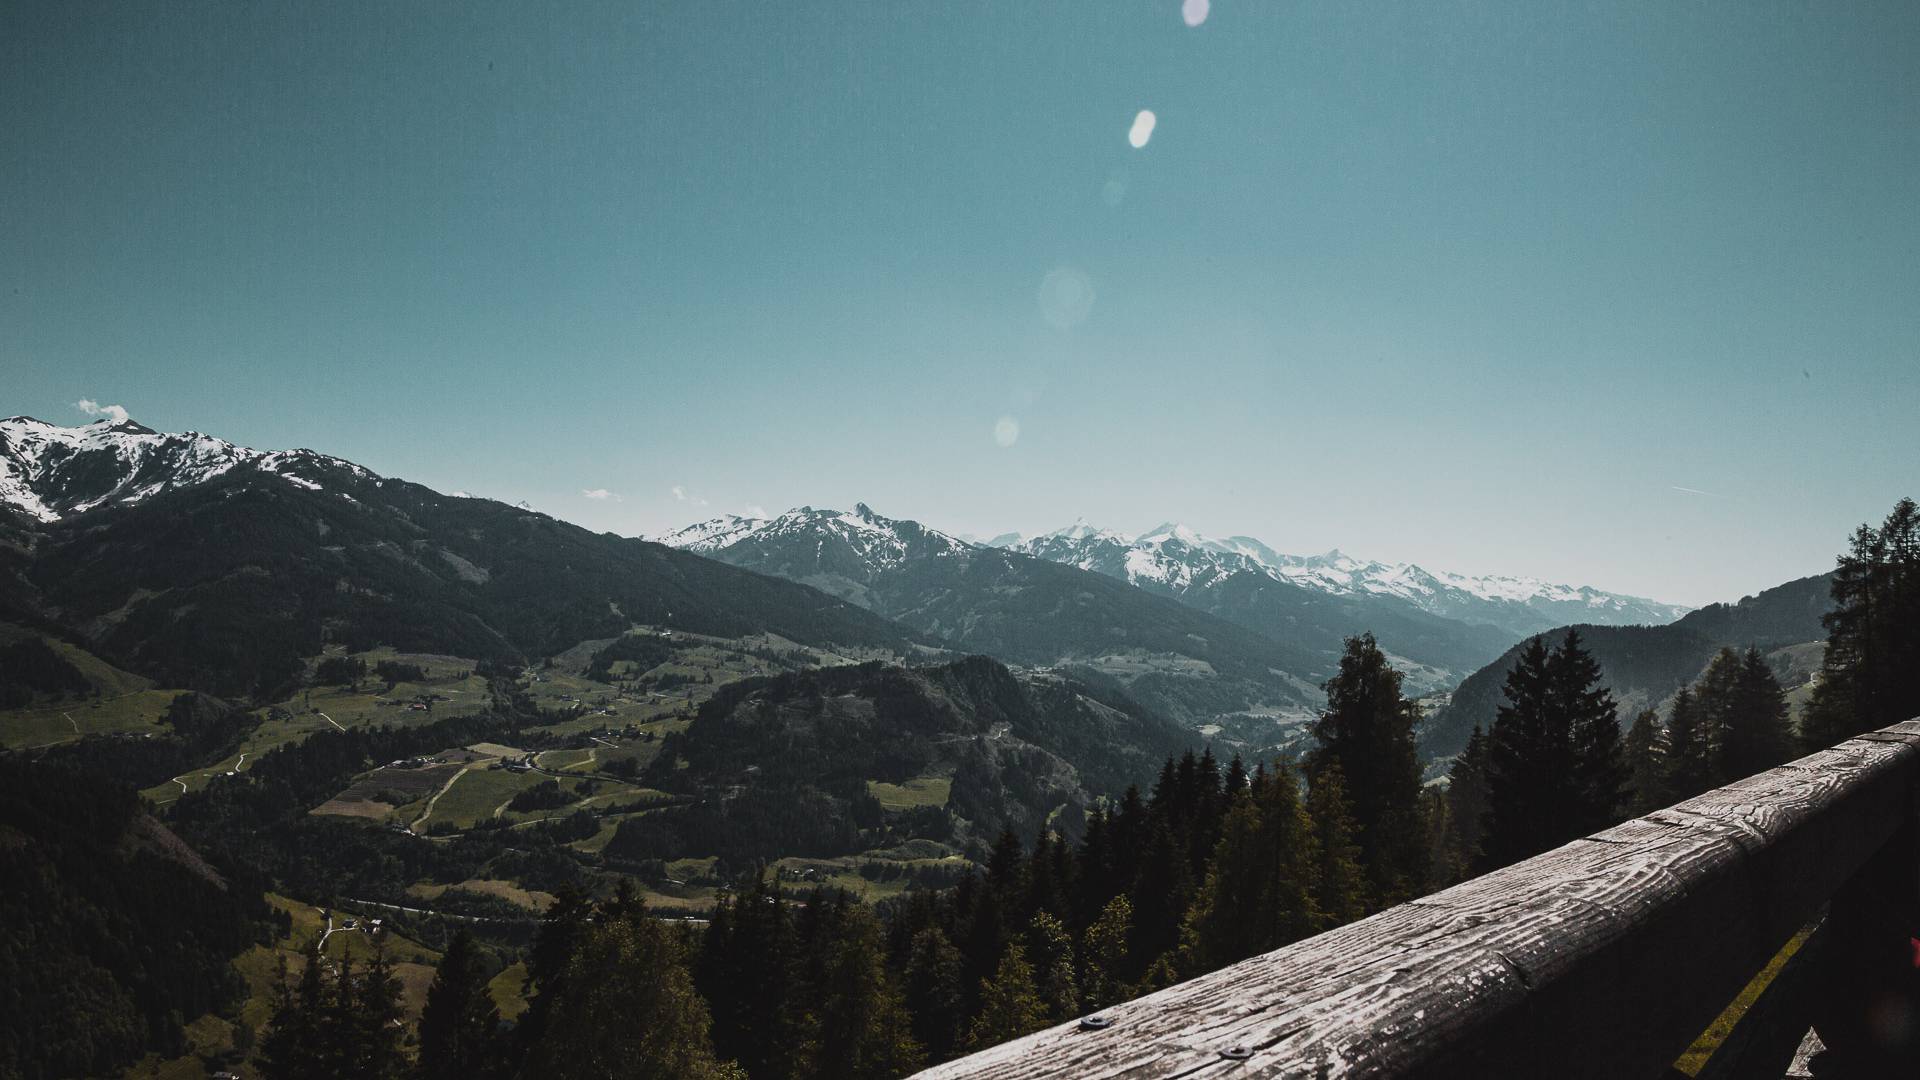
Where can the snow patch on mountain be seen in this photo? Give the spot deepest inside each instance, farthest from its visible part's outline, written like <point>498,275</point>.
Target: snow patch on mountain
<point>51,472</point>
<point>1176,557</point>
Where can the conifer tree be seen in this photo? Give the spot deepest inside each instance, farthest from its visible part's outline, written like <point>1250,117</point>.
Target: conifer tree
<point>1689,761</point>
<point>1467,800</point>
<point>1873,634</point>
<point>1367,729</point>
<point>1554,767</point>
<point>1526,764</point>
<point>747,976</point>
<point>935,996</point>
<point>1593,722</point>
<point>1010,1004</point>
<point>1645,752</point>
<point>1259,889</point>
<point>626,1006</point>
<point>1103,951</point>
<point>458,1022</point>
<point>857,1026</point>
<point>1050,949</point>
<point>1161,894</point>
<point>375,1023</point>
<point>292,1048</point>
<point>1339,885</point>
<point>1759,730</point>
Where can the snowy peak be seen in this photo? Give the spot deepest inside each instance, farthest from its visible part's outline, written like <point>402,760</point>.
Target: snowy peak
<point>1176,558</point>
<point>711,535</point>
<point>51,472</point>
<point>868,538</point>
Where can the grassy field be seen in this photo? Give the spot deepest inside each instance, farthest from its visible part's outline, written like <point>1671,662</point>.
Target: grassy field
<point>478,793</point>
<point>533,900</point>
<point>376,795</point>
<point>923,791</point>
<point>137,711</point>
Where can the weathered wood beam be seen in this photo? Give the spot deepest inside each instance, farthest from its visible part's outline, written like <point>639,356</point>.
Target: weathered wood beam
<point>1603,958</point>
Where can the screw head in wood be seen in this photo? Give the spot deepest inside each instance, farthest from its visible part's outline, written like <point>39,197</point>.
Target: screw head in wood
<point>1095,1023</point>
<point>1236,1053</point>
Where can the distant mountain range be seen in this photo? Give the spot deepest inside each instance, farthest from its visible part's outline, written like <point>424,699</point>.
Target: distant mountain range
<point>1273,628</point>
<point>1176,558</point>
<point>1182,662</point>
<point>205,564</point>
<point>212,566</point>
<point>1645,665</point>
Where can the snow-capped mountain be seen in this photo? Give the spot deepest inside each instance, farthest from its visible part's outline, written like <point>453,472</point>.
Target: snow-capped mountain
<point>876,542</point>
<point>1183,662</point>
<point>51,472</point>
<point>1175,558</point>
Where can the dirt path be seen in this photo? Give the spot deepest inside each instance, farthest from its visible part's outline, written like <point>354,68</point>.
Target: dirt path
<point>330,720</point>
<point>71,720</point>
<point>428,812</point>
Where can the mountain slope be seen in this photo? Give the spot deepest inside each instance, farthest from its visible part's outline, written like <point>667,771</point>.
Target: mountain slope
<point>221,578</point>
<point>1172,658</point>
<point>1178,559</point>
<point>1015,750</point>
<point>1433,651</point>
<point>1644,665</point>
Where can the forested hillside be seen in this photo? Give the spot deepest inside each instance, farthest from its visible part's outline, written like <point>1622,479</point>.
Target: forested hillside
<point>114,932</point>
<point>229,584</point>
<point>1644,665</point>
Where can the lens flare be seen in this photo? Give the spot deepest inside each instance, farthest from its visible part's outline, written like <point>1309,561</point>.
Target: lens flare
<point>1006,431</point>
<point>1066,298</point>
<point>1142,129</point>
<point>1195,11</point>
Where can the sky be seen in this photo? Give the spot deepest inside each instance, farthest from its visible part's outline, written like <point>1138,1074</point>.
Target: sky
<point>1621,295</point>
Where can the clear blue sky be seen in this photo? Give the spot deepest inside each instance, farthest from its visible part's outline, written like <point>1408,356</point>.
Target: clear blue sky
<point>1483,286</point>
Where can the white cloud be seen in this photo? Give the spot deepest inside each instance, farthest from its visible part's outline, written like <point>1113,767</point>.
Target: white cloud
<point>681,494</point>
<point>116,413</point>
<point>600,494</point>
<point>755,510</point>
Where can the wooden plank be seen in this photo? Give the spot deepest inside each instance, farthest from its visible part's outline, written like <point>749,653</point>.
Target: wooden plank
<point>1603,958</point>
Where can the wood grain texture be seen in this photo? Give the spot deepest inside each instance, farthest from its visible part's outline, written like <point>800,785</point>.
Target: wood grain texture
<point>1603,958</point>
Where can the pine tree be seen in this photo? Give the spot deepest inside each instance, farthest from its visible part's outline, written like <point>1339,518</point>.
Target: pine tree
<point>1644,750</point>
<point>1160,894</point>
<point>1259,892</point>
<point>1050,947</point>
<point>376,1022</point>
<point>856,1025</point>
<point>1555,770</point>
<point>458,1022</point>
<point>935,995</point>
<point>1367,729</point>
<point>626,1006</point>
<point>1759,731</point>
<point>1873,634</point>
<point>747,976</point>
<point>1593,722</point>
<point>1103,952</point>
<point>1526,764</point>
<point>292,1048</point>
<point>1339,887</point>
<point>1689,761</point>
<point>1467,800</point>
<point>1010,1004</point>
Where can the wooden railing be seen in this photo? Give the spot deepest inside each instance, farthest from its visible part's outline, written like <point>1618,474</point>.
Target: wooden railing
<point>1603,958</point>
